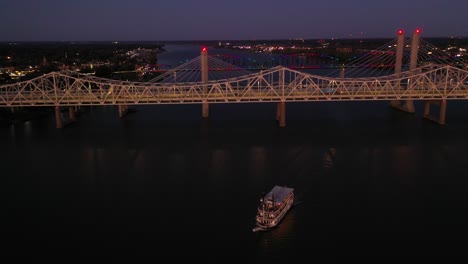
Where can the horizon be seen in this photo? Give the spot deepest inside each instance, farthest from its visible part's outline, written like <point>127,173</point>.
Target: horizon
<point>220,40</point>
<point>145,20</point>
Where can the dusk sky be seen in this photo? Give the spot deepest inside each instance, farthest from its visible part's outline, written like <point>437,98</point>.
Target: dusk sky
<point>96,20</point>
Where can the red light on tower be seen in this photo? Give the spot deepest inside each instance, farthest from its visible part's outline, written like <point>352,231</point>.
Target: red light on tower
<point>418,31</point>
<point>204,49</point>
<point>400,32</point>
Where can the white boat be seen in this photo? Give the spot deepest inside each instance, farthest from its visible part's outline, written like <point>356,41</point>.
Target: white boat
<point>273,207</point>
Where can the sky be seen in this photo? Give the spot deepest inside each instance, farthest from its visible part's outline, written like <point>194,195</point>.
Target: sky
<point>166,20</point>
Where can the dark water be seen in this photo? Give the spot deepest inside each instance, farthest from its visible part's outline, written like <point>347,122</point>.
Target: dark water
<point>371,183</point>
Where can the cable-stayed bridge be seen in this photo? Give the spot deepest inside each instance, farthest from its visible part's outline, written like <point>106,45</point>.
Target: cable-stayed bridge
<point>430,82</point>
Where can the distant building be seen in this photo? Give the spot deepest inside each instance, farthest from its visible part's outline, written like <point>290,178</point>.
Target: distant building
<point>344,49</point>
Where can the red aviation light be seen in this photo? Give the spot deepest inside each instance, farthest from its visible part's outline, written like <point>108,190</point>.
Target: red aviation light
<point>400,32</point>
<point>204,49</point>
<point>418,31</point>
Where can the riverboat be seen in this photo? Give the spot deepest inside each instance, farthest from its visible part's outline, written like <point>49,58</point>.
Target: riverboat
<point>273,207</point>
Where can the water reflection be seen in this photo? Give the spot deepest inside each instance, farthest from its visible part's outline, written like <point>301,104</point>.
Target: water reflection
<point>219,162</point>
<point>258,162</point>
<point>405,165</point>
<point>27,129</point>
<point>272,242</point>
<point>12,133</point>
<point>329,158</point>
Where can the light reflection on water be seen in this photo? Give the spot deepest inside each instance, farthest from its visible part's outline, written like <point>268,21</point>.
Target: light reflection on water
<point>361,185</point>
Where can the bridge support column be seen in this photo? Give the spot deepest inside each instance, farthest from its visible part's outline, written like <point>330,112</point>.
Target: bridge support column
<point>71,113</point>
<point>204,79</point>
<point>121,110</point>
<point>406,106</point>
<point>205,110</point>
<point>395,104</point>
<point>442,110</point>
<point>58,117</point>
<point>282,114</point>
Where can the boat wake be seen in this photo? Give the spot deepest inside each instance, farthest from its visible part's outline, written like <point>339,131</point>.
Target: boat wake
<point>256,229</point>
<point>297,202</point>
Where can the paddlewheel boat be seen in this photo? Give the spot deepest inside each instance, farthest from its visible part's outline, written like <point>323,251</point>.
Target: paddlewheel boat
<point>273,207</point>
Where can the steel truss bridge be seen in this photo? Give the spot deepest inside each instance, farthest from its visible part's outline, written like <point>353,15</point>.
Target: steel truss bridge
<point>278,84</point>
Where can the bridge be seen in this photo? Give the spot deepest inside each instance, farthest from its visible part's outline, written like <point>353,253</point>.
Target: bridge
<point>431,83</point>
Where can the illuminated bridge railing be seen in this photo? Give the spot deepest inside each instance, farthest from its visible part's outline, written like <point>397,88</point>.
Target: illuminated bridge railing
<point>277,84</point>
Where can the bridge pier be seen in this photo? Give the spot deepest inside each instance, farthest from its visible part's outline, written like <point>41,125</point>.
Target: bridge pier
<point>71,113</point>
<point>58,117</point>
<point>281,113</point>
<point>205,110</point>
<point>122,110</point>
<point>442,110</point>
<point>406,106</point>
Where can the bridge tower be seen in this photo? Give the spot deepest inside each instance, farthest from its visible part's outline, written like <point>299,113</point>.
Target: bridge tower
<point>427,104</point>
<point>204,75</point>
<point>408,105</point>
<point>399,51</point>
<point>398,62</point>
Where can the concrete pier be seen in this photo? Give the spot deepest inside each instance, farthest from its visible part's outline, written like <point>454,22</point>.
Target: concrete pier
<point>71,114</point>
<point>122,109</point>
<point>282,114</point>
<point>58,117</point>
<point>205,110</point>
<point>442,110</point>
